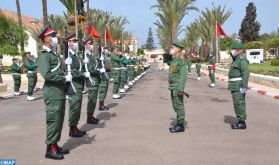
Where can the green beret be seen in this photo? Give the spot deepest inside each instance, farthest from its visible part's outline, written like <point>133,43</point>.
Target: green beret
<point>237,45</point>
<point>178,44</point>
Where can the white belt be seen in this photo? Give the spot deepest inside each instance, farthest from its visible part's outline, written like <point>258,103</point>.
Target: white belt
<point>130,65</point>
<point>16,73</point>
<point>31,72</point>
<point>235,79</point>
<point>57,66</point>
<point>117,68</point>
<point>124,68</point>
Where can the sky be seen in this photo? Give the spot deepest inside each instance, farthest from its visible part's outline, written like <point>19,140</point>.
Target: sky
<point>141,17</point>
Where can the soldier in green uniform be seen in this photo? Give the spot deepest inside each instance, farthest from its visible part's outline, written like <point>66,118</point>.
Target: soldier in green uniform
<point>131,71</point>
<point>103,87</point>
<point>238,83</point>
<point>211,68</point>
<point>31,71</point>
<point>16,76</point>
<point>75,100</point>
<point>93,76</point>
<point>115,60</point>
<point>53,93</point>
<point>124,73</point>
<point>189,65</point>
<point>198,65</point>
<point>177,79</point>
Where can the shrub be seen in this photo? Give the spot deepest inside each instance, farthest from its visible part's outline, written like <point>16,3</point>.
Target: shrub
<point>275,62</point>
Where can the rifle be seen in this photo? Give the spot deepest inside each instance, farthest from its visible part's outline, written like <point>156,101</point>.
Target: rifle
<point>102,64</point>
<point>69,87</point>
<point>88,81</point>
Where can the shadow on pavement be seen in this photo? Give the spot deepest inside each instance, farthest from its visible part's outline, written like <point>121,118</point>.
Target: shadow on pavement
<point>112,105</point>
<point>73,143</point>
<point>230,119</point>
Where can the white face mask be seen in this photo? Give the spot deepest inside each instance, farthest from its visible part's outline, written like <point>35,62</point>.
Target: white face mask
<point>75,46</point>
<point>172,51</point>
<point>91,48</point>
<point>54,42</point>
<point>234,53</point>
<point>106,51</point>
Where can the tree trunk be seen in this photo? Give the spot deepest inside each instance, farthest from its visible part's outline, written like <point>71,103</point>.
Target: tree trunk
<point>45,15</point>
<point>1,69</point>
<point>20,24</point>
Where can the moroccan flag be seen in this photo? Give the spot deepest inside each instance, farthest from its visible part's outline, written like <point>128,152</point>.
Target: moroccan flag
<point>93,32</point>
<point>108,36</point>
<point>220,31</point>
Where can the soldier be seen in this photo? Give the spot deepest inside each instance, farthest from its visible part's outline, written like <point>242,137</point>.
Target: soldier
<point>75,100</point>
<point>177,79</point>
<point>198,65</point>
<point>238,83</point>
<point>211,68</point>
<point>189,65</point>
<point>131,70</point>
<point>31,71</point>
<point>91,65</point>
<point>53,93</point>
<point>115,60</point>
<point>16,69</point>
<point>124,73</point>
<point>103,87</point>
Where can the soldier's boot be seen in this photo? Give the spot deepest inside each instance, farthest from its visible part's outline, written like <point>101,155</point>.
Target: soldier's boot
<point>30,98</point>
<point>177,128</point>
<point>102,106</point>
<point>92,120</point>
<point>75,132</point>
<point>239,125</point>
<point>53,153</point>
<point>62,150</point>
<point>116,96</point>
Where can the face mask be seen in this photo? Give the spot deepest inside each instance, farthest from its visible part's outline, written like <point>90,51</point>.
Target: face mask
<point>54,42</point>
<point>91,48</point>
<point>172,51</point>
<point>75,47</point>
<point>234,53</point>
<point>106,51</point>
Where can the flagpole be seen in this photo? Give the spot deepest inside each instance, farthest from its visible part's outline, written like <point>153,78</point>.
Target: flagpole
<point>106,36</point>
<point>76,20</point>
<point>217,43</point>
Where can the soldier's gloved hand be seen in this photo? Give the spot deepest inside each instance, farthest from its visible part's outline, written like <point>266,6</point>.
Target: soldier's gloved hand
<point>87,74</point>
<point>68,61</point>
<point>102,70</point>
<point>243,90</point>
<point>180,93</point>
<point>102,58</point>
<point>86,61</point>
<point>68,78</point>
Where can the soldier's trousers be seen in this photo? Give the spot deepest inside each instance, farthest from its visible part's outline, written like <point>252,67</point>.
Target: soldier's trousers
<point>124,78</point>
<point>103,89</point>
<point>198,68</point>
<point>32,81</point>
<point>17,82</point>
<point>239,105</point>
<point>92,99</point>
<point>55,112</point>
<point>189,68</point>
<point>178,106</point>
<point>131,73</point>
<point>75,102</point>
<point>212,75</point>
<point>116,82</point>
<point>111,74</point>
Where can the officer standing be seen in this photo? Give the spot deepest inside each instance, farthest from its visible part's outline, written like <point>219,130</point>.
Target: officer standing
<point>16,76</point>
<point>189,65</point>
<point>177,80</point>
<point>53,93</point>
<point>115,60</point>
<point>211,68</point>
<point>31,71</point>
<point>124,73</point>
<point>198,65</point>
<point>238,83</point>
<point>75,100</point>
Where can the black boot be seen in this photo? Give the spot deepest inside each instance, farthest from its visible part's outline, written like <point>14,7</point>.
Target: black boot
<point>62,150</point>
<point>75,132</point>
<point>92,120</point>
<point>239,125</point>
<point>53,153</point>
<point>102,106</point>
<point>177,128</point>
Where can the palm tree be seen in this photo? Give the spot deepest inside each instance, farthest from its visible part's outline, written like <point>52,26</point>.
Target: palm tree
<point>20,24</point>
<point>45,16</point>
<point>170,15</point>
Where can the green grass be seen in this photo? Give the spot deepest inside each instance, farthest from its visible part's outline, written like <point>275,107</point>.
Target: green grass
<point>265,69</point>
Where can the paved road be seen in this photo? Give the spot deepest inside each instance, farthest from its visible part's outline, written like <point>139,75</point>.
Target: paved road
<point>135,130</point>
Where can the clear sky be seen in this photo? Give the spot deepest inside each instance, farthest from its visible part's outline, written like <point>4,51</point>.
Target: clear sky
<point>141,17</point>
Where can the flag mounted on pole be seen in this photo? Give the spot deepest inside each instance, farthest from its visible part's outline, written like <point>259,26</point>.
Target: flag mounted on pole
<point>220,31</point>
<point>108,36</point>
<point>93,32</point>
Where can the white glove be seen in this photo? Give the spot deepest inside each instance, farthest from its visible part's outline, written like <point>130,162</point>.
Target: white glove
<point>86,61</point>
<point>243,90</point>
<point>68,61</point>
<point>103,70</point>
<point>68,78</point>
<point>87,74</point>
<point>102,58</point>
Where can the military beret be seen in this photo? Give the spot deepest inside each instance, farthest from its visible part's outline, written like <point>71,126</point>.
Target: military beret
<point>237,45</point>
<point>87,40</point>
<point>178,44</point>
<point>72,37</point>
<point>46,31</point>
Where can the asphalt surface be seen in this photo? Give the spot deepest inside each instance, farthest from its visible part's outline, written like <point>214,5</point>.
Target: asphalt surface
<point>135,129</point>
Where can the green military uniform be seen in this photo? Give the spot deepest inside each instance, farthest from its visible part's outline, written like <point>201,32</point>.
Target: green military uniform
<point>177,79</point>
<point>16,76</point>
<point>31,75</point>
<point>131,69</point>
<point>75,100</point>
<point>238,78</point>
<point>211,69</point>
<point>117,72</point>
<point>124,71</point>
<point>93,90</point>
<point>189,65</point>
<point>103,87</point>
<point>53,93</point>
<point>198,66</point>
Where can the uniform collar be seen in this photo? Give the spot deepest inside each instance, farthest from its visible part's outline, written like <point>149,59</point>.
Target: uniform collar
<point>72,52</point>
